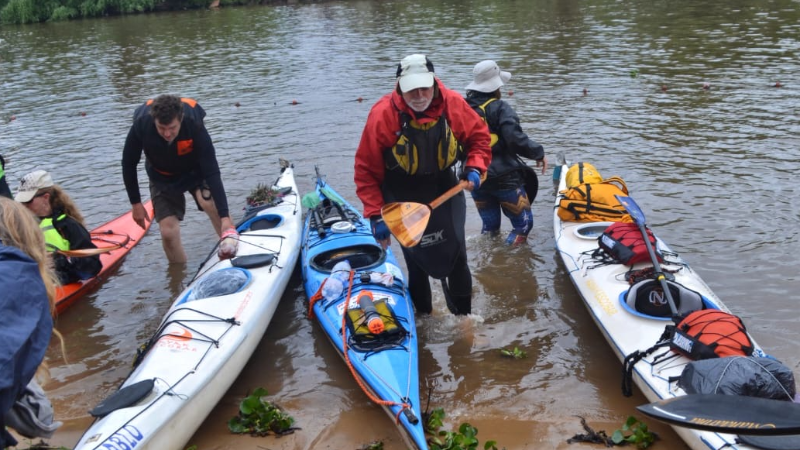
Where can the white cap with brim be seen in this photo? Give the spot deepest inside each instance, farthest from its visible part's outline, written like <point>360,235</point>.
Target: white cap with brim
<point>415,72</point>
<point>487,77</point>
<point>30,185</point>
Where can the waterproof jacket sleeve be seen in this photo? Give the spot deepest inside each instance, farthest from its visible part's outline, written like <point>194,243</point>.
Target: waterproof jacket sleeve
<point>131,155</point>
<point>209,167</point>
<point>379,133</point>
<point>26,329</point>
<point>511,132</point>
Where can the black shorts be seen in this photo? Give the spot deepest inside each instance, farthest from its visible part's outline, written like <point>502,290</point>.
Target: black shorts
<point>169,198</point>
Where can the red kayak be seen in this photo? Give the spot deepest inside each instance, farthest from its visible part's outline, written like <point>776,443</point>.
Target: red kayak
<point>119,234</point>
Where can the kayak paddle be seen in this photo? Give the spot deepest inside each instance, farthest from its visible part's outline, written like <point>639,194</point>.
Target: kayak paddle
<point>638,217</point>
<point>736,414</point>
<point>81,252</point>
<point>408,220</point>
<point>88,251</point>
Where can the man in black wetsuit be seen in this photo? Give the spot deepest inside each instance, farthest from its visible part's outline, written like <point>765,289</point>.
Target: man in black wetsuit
<point>179,158</point>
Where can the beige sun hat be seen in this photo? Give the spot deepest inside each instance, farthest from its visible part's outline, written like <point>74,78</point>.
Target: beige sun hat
<point>487,77</point>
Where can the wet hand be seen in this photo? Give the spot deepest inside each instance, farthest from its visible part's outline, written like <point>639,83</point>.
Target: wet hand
<point>140,215</point>
<point>543,164</point>
<point>229,241</point>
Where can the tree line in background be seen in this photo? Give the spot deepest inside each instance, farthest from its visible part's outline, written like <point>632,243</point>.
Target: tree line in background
<point>32,11</point>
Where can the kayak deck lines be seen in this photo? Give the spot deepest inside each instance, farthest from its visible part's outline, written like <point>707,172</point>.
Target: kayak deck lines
<point>612,291</point>
<point>382,361</point>
<point>267,251</point>
<point>208,334</point>
<point>160,333</point>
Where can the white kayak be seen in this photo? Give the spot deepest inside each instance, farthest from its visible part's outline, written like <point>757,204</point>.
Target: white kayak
<point>206,337</point>
<point>602,287</point>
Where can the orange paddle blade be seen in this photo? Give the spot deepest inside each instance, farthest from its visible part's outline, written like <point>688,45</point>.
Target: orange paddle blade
<point>407,221</point>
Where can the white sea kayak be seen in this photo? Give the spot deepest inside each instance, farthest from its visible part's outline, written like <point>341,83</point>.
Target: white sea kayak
<point>603,286</point>
<point>207,336</point>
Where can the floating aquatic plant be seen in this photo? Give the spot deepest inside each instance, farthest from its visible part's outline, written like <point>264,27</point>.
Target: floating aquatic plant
<point>464,439</point>
<point>516,353</point>
<point>258,417</point>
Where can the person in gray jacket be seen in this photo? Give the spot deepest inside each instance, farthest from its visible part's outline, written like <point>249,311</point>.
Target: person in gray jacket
<point>510,184</point>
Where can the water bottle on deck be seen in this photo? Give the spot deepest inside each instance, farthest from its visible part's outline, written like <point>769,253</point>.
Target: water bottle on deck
<point>334,284</point>
<point>371,316</point>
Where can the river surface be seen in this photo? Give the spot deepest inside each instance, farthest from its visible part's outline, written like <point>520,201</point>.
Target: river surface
<point>618,84</point>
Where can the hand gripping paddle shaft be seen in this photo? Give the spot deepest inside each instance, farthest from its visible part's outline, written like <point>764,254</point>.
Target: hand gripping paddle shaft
<point>408,220</point>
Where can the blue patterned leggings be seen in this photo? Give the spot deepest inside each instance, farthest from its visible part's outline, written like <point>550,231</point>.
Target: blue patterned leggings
<point>514,204</point>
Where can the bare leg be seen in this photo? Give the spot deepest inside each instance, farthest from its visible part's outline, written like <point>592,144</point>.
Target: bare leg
<point>210,209</point>
<point>171,239</point>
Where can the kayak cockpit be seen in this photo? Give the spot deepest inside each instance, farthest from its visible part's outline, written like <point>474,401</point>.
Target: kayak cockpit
<point>222,282</point>
<point>646,299</point>
<point>360,257</point>
<point>260,222</point>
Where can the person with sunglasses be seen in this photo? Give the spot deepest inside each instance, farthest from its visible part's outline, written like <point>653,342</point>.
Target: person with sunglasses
<point>62,224</point>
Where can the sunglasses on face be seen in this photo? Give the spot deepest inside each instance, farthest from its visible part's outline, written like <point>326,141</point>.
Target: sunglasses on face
<point>34,197</point>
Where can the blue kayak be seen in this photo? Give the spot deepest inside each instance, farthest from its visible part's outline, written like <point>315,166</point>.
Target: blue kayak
<point>358,295</point>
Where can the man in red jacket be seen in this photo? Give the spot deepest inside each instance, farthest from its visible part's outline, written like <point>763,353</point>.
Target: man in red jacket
<point>412,141</point>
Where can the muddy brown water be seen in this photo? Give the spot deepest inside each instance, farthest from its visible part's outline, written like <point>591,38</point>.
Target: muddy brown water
<point>616,84</point>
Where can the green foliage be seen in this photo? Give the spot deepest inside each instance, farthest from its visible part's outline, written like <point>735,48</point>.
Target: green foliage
<point>237,2</point>
<point>27,11</point>
<point>261,195</point>
<point>31,11</point>
<point>634,73</point>
<point>516,353</point>
<point>260,418</point>
<point>634,432</point>
<point>64,13</point>
<point>464,439</point>
<point>434,420</point>
<point>191,447</point>
<point>377,445</point>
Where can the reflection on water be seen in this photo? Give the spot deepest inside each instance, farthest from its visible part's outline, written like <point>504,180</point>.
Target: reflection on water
<point>617,84</point>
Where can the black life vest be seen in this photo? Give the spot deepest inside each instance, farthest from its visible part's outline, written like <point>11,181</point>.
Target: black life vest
<point>423,149</point>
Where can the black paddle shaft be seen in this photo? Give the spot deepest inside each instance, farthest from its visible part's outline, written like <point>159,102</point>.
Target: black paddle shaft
<point>638,217</point>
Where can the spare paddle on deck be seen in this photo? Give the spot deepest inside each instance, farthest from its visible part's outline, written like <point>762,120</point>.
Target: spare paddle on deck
<point>638,217</point>
<point>408,220</point>
<point>737,414</point>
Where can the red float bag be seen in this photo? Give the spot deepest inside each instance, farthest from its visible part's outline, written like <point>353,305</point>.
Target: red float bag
<point>711,333</point>
<point>623,243</point>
